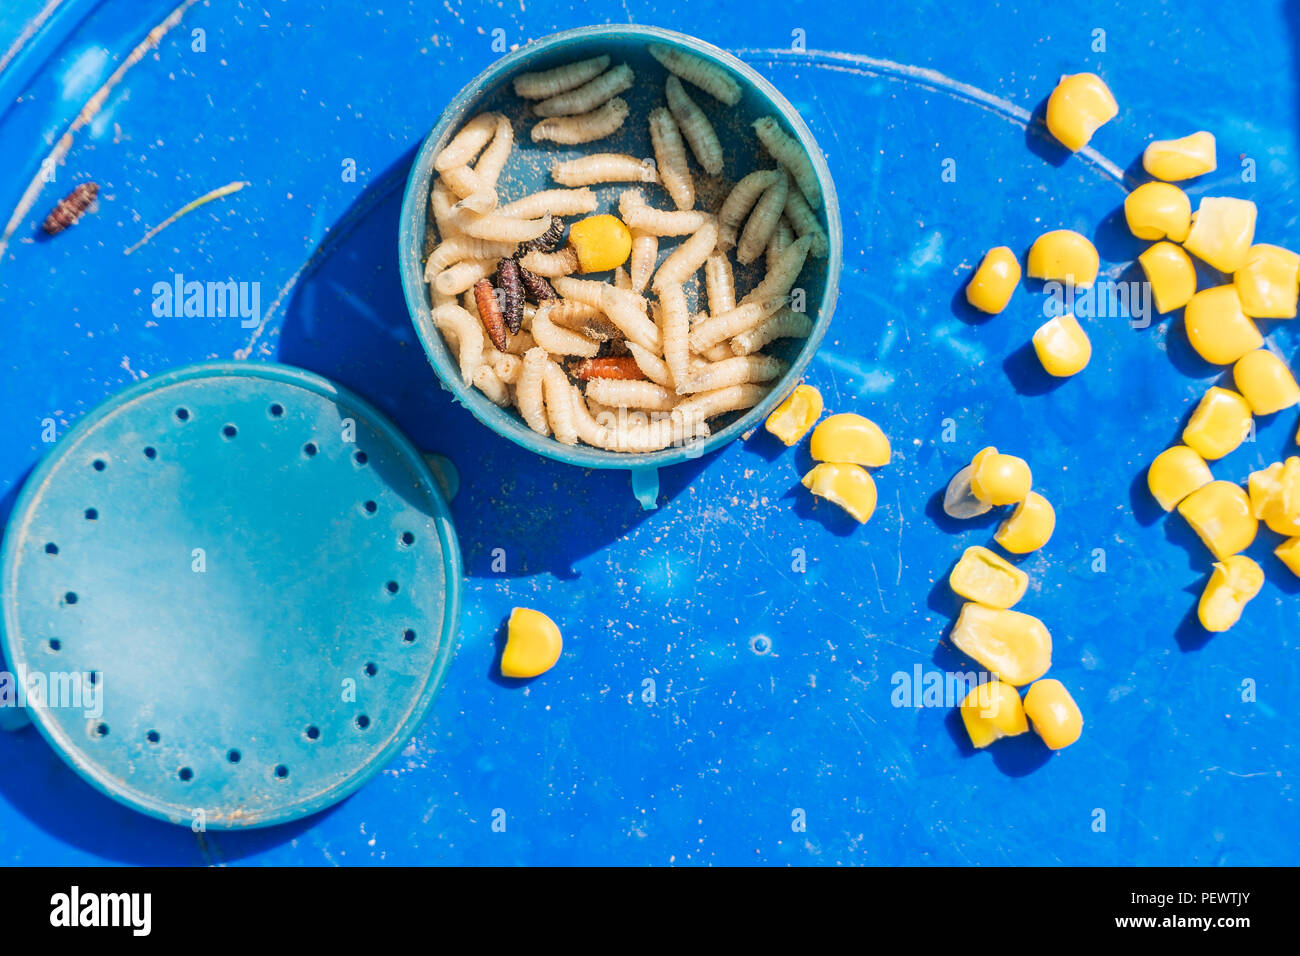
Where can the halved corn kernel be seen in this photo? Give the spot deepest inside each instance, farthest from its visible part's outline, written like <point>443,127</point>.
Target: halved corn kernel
<point>1222,231</point>
<point>533,644</point>
<point>847,485</point>
<point>1029,527</point>
<point>1217,328</point>
<point>791,419</point>
<point>1053,713</point>
<point>1078,107</point>
<point>1234,581</point>
<point>992,710</point>
<point>1157,210</point>
<point>1275,496</point>
<point>1220,514</point>
<point>850,438</point>
<point>1176,159</point>
<point>1220,423</point>
<point>1266,382</point>
<point>1175,474</point>
<point>983,577</point>
<point>1171,274</point>
<point>1065,256</point>
<point>1016,647</point>
<point>1288,553</point>
<point>601,242</point>
<point>1000,479</point>
<point>1268,282</point>
<point>989,290</point>
<point>1062,346</point>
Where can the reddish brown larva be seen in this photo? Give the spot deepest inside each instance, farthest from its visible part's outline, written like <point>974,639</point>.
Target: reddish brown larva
<point>489,311</point>
<point>70,208</point>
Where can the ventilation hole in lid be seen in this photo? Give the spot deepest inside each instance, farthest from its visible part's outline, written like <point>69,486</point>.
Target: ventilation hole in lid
<point>310,449</point>
<point>408,636</point>
<point>313,732</point>
<point>70,597</point>
<point>360,457</point>
<point>153,736</point>
<point>99,464</point>
<point>408,539</point>
<point>276,410</point>
<point>151,453</point>
<point>230,431</point>
<point>51,548</point>
<point>370,507</point>
<point>371,669</point>
<point>234,756</point>
<point>92,514</point>
<point>186,774</point>
<point>393,587</point>
<point>281,771</point>
<point>100,730</point>
<point>182,414</point>
<point>362,721</point>
<point>56,645</point>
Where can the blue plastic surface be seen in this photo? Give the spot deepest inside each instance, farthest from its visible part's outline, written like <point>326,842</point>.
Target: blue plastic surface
<point>529,170</point>
<point>231,593</point>
<point>708,689</point>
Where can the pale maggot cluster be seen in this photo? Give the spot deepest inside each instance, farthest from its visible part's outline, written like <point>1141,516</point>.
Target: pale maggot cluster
<point>632,363</point>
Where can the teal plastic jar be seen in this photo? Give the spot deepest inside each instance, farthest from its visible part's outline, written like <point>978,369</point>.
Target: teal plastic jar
<point>528,171</point>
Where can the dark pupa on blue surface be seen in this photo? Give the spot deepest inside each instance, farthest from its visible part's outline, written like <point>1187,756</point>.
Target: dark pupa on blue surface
<point>70,208</point>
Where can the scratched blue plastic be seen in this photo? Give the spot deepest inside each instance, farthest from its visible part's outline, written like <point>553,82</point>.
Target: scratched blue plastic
<point>707,764</point>
<point>529,171</point>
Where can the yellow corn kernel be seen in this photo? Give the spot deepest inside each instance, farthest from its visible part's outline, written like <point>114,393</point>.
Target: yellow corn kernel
<point>1171,274</point>
<point>1065,256</point>
<point>989,290</point>
<point>1233,582</point>
<point>533,644</point>
<point>1177,159</point>
<point>1157,210</point>
<point>1222,231</point>
<point>1029,527</point>
<point>1053,712</point>
<point>992,710</point>
<point>601,242</point>
<point>1220,423</point>
<point>983,577</point>
<point>1288,553</point>
<point>1217,328</point>
<point>850,438</point>
<point>1016,647</point>
<point>791,419</point>
<point>1266,382</point>
<point>1000,479</point>
<point>1268,282</point>
<point>1275,496</point>
<point>1078,107</point>
<point>847,485</point>
<point>1220,514</point>
<point>1175,474</point>
<point>1062,346</point>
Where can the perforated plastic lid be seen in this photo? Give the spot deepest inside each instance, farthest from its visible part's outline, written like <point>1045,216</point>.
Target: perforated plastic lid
<point>230,594</point>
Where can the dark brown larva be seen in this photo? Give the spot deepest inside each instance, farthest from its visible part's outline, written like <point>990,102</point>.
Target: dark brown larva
<point>489,311</point>
<point>538,289</point>
<point>70,208</point>
<point>512,293</point>
<point>547,241</point>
